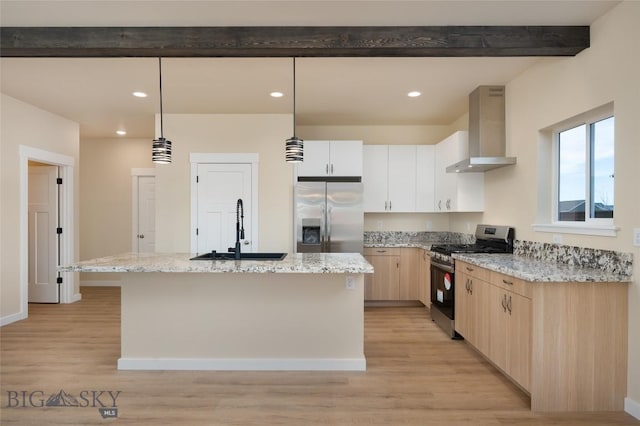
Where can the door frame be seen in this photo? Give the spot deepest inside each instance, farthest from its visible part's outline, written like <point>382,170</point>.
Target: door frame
<point>232,158</point>
<point>136,173</point>
<point>67,220</point>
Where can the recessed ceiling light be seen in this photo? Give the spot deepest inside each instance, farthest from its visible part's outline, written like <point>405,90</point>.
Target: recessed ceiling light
<point>139,94</point>
<point>414,94</point>
<point>276,94</point>
<point>121,132</point>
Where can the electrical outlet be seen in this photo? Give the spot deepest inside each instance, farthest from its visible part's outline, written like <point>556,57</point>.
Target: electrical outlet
<point>380,225</point>
<point>557,238</point>
<point>350,284</point>
<point>636,237</point>
<point>429,225</point>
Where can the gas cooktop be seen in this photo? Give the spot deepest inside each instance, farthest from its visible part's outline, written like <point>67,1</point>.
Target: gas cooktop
<point>489,239</point>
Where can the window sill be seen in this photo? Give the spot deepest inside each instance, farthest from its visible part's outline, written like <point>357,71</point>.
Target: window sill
<point>581,229</point>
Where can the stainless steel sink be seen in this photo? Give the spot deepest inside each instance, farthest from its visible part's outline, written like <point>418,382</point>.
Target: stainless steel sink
<point>243,256</point>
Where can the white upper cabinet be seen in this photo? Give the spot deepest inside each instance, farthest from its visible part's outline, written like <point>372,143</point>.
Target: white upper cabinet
<point>425,178</point>
<point>331,158</point>
<point>402,178</point>
<point>390,178</point>
<point>375,178</point>
<point>456,192</point>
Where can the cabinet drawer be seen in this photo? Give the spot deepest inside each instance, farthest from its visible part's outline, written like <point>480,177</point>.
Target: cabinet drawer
<point>381,251</point>
<point>473,270</point>
<point>513,284</point>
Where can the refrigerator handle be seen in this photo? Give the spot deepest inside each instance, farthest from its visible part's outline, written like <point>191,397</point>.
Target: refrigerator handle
<point>323,229</point>
<point>328,227</point>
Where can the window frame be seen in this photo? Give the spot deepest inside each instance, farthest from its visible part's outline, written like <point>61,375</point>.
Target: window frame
<point>590,226</point>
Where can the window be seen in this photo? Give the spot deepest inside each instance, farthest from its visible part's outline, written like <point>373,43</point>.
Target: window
<point>585,170</point>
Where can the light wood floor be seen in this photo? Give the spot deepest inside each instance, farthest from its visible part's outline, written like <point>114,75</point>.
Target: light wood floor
<point>415,376</point>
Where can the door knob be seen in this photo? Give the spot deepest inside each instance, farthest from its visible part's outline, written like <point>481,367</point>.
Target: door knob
<point>246,242</point>
<point>141,236</point>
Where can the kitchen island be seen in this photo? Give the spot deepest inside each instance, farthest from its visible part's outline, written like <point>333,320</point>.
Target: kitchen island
<point>302,313</point>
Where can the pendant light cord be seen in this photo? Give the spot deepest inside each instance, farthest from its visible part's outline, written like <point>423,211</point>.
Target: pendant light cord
<point>161,123</point>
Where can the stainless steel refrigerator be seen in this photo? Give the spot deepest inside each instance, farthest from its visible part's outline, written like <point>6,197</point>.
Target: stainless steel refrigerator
<point>329,217</point>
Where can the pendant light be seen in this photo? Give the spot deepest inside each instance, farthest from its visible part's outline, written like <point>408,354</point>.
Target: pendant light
<point>294,145</point>
<point>161,150</point>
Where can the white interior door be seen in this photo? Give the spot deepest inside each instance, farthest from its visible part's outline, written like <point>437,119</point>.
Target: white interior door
<point>43,237</point>
<point>146,230</point>
<point>219,188</point>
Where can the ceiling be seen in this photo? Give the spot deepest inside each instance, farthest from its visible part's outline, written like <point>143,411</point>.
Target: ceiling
<point>96,92</point>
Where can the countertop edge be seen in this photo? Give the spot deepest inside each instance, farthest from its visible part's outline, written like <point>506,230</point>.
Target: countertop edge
<point>555,272</point>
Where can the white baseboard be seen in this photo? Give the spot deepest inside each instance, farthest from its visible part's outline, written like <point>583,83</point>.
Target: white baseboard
<point>76,298</point>
<point>632,407</point>
<point>100,283</point>
<point>257,364</point>
<point>6,320</point>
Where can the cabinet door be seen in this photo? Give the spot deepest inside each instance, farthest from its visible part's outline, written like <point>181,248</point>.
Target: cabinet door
<point>375,178</point>
<point>519,336</point>
<point>498,327</point>
<point>463,312</point>
<point>345,158</point>
<point>316,159</point>
<point>402,178</point>
<point>445,183</point>
<point>480,298</point>
<point>409,269</point>
<point>424,280</point>
<point>425,178</point>
<point>383,284</point>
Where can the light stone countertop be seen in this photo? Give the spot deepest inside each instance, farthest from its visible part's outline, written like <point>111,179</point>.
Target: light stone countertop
<point>308,263</point>
<point>539,271</point>
<point>424,246</point>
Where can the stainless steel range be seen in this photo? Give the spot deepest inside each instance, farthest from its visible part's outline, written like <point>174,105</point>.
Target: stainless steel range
<point>489,239</point>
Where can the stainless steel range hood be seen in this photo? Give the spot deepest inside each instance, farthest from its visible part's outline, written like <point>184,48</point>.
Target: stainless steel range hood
<point>486,132</point>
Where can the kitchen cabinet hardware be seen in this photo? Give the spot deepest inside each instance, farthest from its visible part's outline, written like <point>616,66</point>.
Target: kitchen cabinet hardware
<point>386,203</point>
<point>389,205</point>
<point>470,269</point>
<point>326,168</point>
<point>509,304</point>
<point>504,302</point>
<point>381,251</point>
<point>507,282</point>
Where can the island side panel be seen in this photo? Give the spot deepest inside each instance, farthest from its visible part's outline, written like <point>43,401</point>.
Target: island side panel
<point>199,321</point>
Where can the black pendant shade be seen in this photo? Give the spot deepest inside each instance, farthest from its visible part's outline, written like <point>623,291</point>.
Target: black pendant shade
<point>294,147</point>
<point>161,148</point>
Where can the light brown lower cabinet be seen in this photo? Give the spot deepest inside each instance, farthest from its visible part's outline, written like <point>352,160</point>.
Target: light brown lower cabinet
<point>563,342</point>
<point>384,283</point>
<point>409,273</point>
<point>424,278</point>
<point>398,274</point>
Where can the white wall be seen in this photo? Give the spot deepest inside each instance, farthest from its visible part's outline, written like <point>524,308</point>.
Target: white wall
<point>226,133</point>
<point>105,196</point>
<point>556,89</point>
<point>24,124</point>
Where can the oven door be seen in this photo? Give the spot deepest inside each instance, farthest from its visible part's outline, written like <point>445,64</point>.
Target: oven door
<point>443,288</point>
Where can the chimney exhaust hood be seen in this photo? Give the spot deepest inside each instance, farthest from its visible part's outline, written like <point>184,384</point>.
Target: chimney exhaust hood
<point>486,132</point>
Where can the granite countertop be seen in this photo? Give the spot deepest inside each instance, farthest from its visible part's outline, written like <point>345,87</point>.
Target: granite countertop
<point>308,263</point>
<point>425,246</point>
<point>534,270</point>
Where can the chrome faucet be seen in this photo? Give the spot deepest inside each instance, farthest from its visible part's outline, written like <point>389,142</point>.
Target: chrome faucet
<point>239,226</point>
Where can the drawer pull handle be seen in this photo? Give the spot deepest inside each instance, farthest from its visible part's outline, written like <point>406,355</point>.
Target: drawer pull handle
<point>507,282</point>
<point>469,269</point>
<point>381,251</point>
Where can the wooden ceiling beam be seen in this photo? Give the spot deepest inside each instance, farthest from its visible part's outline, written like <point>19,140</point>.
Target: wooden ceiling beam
<point>444,41</point>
